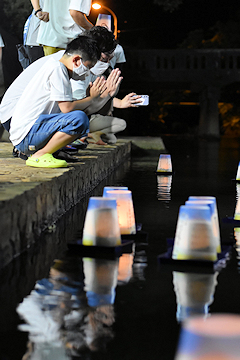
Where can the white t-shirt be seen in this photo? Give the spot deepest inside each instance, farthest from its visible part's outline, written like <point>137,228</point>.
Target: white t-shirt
<point>48,86</point>
<point>33,28</point>
<point>79,87</point>
<point>1,42</point>
<point>14,92</point>
<point>61,28</point>
<point>118,57</point>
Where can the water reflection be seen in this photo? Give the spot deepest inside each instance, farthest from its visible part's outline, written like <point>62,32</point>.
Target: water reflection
<point>194,293</point>
<point>164,184</point>
<point>71,313</point>
<point>72,309</point>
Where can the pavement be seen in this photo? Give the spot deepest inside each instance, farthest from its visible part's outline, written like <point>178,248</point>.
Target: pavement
<point>31,199</point>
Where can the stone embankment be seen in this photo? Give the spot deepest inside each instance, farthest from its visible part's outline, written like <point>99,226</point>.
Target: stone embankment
<point>32,199</point>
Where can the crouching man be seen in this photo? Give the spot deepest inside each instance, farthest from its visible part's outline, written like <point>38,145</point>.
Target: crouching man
<point>46,118</point>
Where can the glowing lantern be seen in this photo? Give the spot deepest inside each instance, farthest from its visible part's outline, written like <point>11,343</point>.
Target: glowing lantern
<point>194,235</point>
<point>101,226</point>
<point>125,210</point>
<point>164,164</point>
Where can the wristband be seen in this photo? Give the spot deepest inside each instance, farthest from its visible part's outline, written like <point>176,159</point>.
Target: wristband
<point>37,11</point>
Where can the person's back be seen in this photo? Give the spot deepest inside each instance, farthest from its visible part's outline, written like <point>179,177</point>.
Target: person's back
<point>62,27</point>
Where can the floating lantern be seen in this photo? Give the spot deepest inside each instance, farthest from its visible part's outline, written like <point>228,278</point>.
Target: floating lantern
<point>194,235</point>
<point>100,280</point>
<point>125,210</point>
<point>215,338</point>
<point>164,164</point>
<point>108,188</point>
<point>101,226</point>
<point>214,217</point>
<point>194,293</point>
<point>238,172</point>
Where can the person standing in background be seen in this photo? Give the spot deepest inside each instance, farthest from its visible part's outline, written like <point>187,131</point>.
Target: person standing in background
<point>67,19</point>
<point>33,49</point>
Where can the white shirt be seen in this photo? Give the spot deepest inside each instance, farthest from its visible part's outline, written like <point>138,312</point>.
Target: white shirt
<point>118,56</point>
<point>33,28</point>
<point>61,28</point>
<point>1,42</point>
<point>48,86</point>
<point>14,92</point>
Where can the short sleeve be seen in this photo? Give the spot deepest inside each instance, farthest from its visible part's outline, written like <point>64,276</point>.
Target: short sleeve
<point>59,84</point>
<point>81,5</point>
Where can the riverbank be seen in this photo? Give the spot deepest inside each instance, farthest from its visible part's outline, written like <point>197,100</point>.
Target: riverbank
<point>32,199</point>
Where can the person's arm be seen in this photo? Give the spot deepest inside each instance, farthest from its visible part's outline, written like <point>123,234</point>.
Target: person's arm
<point>130,100</point>
<point>96,90</point>
<point>112,86</point>
<point>42,15</point>
<point>80,19</point>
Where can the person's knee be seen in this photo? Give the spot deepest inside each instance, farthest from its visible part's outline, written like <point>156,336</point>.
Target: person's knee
<point>80,119</point>
<point>122,124</point>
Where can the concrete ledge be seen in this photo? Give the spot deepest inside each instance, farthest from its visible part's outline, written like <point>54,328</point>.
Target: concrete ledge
<point>32,198</point>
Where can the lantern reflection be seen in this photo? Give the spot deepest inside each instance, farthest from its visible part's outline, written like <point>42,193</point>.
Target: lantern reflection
<point>164,184</point>
<point>194,293</point>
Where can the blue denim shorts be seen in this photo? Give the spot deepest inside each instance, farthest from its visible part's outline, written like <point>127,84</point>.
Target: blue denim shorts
<point>72,123</point>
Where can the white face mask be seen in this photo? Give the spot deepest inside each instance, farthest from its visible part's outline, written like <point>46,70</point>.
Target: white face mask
<point>99,68</point>
<point>80,72</point>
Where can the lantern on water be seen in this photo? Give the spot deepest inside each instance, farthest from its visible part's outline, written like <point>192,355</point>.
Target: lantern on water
<point>164,164</point>
<point>215,338</point>
<point>108,188</point>
<point>194,235</point>
<point>101,227</point>
<point>125,210</point>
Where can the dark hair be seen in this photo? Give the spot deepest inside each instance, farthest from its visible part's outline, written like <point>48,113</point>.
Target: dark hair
<point>104,38</point>
<point>86,46</point>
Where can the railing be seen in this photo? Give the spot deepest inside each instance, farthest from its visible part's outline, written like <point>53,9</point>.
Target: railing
<point>179,65</point>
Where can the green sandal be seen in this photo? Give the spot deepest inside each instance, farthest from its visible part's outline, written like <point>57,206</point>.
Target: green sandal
<point>46,161</point>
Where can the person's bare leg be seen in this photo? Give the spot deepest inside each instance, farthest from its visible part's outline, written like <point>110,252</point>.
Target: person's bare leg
<point>57,141</point>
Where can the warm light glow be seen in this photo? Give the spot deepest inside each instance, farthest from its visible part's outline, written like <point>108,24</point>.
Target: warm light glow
<point>101,226</point>
<point>125,210</point>
<point>194,235</point>
<point>164,163</point>
<point>96,6</point>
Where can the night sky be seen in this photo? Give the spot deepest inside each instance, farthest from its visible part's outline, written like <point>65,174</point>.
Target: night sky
<point>148,25</point>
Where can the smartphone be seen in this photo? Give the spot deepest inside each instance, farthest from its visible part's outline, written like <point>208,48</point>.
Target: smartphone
<point>144,100</point>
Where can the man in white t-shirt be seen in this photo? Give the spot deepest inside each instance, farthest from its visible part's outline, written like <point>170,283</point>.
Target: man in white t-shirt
<point>45,117</point>
<point>67,19</point>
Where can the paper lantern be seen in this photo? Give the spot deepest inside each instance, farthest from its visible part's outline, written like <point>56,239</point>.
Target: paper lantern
<point>108,188</point>
<point>194,236</point>
<point>164,164</point>
<point>101,227</point>
<point>214,338</point>
<point>214,217</point>
<point>125,210</point>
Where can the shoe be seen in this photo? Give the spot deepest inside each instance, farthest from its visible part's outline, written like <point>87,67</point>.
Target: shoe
<point>64,155</point>
<point>79,144</point>
<point>70,149</point>
<point>17,153</point>
<point>46,161</point>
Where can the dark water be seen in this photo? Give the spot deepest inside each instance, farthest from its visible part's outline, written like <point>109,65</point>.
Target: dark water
<point>137,315</point>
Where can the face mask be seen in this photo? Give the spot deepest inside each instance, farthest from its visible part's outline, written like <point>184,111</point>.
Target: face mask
<point>80,72</point>
<point>99,68</point>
